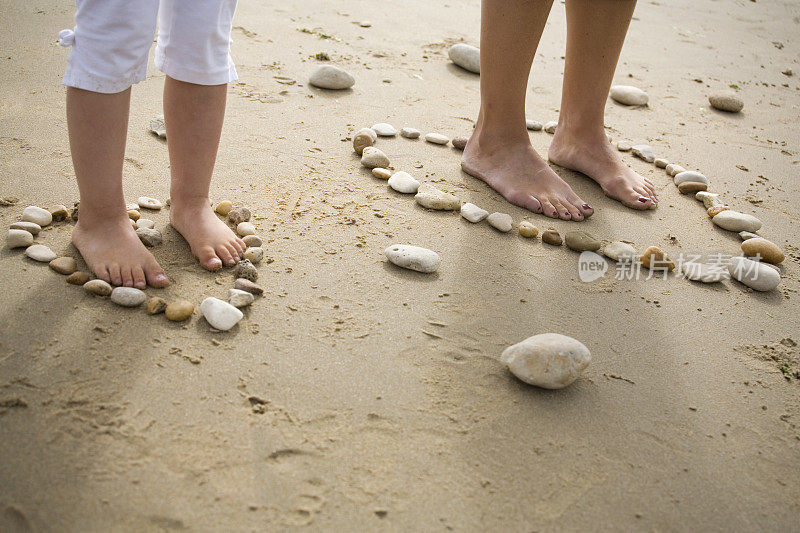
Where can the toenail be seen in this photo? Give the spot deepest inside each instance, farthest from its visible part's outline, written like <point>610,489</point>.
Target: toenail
<point>555,213</point>
<point>642,199</point>
<point>586,206</point>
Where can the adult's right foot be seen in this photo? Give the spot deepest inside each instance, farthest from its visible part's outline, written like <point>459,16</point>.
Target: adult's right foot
<point>521,176</point>
<point>113,251</point>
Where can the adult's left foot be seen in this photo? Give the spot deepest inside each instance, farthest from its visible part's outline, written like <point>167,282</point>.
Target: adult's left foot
<point>211,240</point>
<point>595,157</point>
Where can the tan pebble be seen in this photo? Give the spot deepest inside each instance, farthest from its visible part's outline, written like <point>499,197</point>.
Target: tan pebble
<point>59,213</point>
<point>74,213</point>
<point>179,311</point>
<point>654,257</point>
<point>239,215</point>
<point>661,162</point>
<point>361,141</point>
<point>224,207</point>
<point>381,173</point>
<point>767,250</point>
<point>459,143</point>
<point>247,285</point>
<point>692,186</point>
<point>252,241</point>
<point>64,265</point>
<point>254,255</point>
<point>133,214</point>
<point>78,278</point>
<point>156,305</point>
<point>551,236</point>
<point>245,269</point>
<point>716,210</point>
<point>98,287</point>
<point>526,229</point>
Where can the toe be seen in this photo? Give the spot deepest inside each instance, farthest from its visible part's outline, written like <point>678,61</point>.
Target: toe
<point>154,275</point>
<point>139,279</point>
<point>574,210</point>
<point>234,251</point>
<point>224,254</point>
<point>563,212</point>
<point>115,274</point>
<point>101,272</point>
<point>549,209</point>
<point>240,245</point>
<point>526,200</point>
<point>127,276</point>
<point>209,259</point>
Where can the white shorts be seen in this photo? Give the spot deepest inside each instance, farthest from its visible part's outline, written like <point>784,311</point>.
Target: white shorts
<point>112,38</point>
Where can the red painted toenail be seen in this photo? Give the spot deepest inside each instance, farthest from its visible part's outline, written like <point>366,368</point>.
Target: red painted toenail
<point>586,206</point>
<point>642,199</point>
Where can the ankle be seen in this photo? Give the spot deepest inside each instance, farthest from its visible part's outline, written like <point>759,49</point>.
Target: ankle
<point>491,138</point>
<point>189,203</point>
<point>569,132</point>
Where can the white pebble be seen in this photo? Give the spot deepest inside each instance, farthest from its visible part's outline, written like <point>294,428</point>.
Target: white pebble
<point>144,223</point>
<point>661,162</point>
<point>624,146</point>
<point>628,95</point>
<point>245,228</point>
<point>432,198</point>
<point>372,157</point>
<point>619,251</point>
<point>735,221</point>
<point>384,130</point>
<point>128,296</point>
<point>239,298</point>
<point>403,182</point>
<point>413,257</point>
<point>37,215</point>
<point>644,151</point>
<point>466,56</point>
<point>689,175</point>
<point>437,138</point>
<point>149,203</point>
<point>331,77</point>
<point>674,169</point>
<point>756,275</point>
<point>40,252</point>
<point>31,227</point>
<point>533,125</point>
<point>704,272</point>
<point>18,238</point>
<point>500,221</point>
<point>220,314</point>
<point>254,254</point>
<point>549,360</point>
<point>473,213</point>
<point>410,133</point>
<point>158,126</point>
<point>551,126</point>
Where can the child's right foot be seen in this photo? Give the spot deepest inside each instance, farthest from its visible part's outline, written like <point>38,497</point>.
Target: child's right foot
<point>113,251</point>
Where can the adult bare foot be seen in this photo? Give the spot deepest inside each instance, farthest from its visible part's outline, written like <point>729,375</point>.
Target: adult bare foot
<point>113,251</point>
<point>514,169</point>
<point>595,157</point>
<point>211,240</point>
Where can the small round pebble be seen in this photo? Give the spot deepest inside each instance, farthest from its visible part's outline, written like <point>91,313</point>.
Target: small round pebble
<point>735,221</point>
<point>437,138</point>
<point>245,228</point>
<point>253,241</point>
<point>674,169</point>
<point>150,237</point>
<point>220,314</point>
<point>533,125</point>
<point>621,252</point>
<point>432,198</point>
<point>466,56</point>
<point>410,133</point>
<point>372,157</point>
<point>78,278</point>
<point>628,95</point>
<point>687,187</point>
<point>382,173</point>
<point>654,257</point>
<point>473,213</point>
<point>403,182</point>
<point>37,215</point>
<point>756,275</point>
<point>239,298</point>
<point>59,213</point>
<point>238,215</point>
<point>248,286</point>
<point>660,162</point>
<point>727,101</point>
<point>145,223</point>
<point>552,237</point>
<point>147,202</point>
<point>363,139</point>
<point>254,255</point>
<point>40,252</point>
<point>500,221</point>
<point>179,311</point>
<point>624,146</point>
<point>459,143</point>
<point>156,305</point>
<point>384,130</point>
<point>548,360</point>
<point>644,152</point>
<point>64,265</point>
<point>133,214</point>
<point>245,269</point>
<point>551,126</point>
<point>413,258</point>
<point>331,77</point>
<point>18,238</point>
<point>689,175</point>
<point>98,287</point>
<point>580,241</point>
<point>767,250</point>
<point>31,227</point>
<point>224,207</point>
<point>128,296</point>
<point>528,230</point>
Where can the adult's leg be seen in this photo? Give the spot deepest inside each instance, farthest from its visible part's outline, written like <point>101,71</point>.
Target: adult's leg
<point>595,32</point>
<point>499,151</point>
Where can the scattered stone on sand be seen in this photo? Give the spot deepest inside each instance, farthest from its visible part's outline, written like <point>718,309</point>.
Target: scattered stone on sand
<point>466,56</point>
<point>145,223</point>
<point>59,213</point>
<point>644,151</point>
<point>500,221</point>
<point>654,257</point>
<point>404,182</point>
<point>548,360</point>
<point>528,230</point>
<point>384,130</point>
<point>551,126</point>
<point>253,241</point>
<point>628,95</point>
<point>331,77</point>
<point>19,238</point>
<point>621,252</point>
<point>372,157</point>
<point>382,173</point>
<point>98,287</point>
<point>156,305</point>
<point>413,257</point>
<point>580,241</point>
<point>133,214</point>
<point>78,278</point>
<point>410,133</point>
<point>736,221</point>
<point>727,101</point>
<point>687,187</point>
<point>37,215</point>
<point>767,250</point>
<point>158,126</point>
<point>363,139</point>
<point>787,72</point>
<point>704,272</point>
<point>64,265</point>
<point>221,315</point>
<point>248,286</point>
<point>245,228</point>
<point>660,162</point>
<point>689,175</point>
<point>40,252</point>
<point>179,311</point>
<point>31,227</point>
<point>716,210</point>
<point>624,146</point>
<point>224,207</point>
<point>74,213</point>
<point>674,169</point>
<point>131,207</point>
<point>254,254</point>
<point>239,298</point>
<point>459,143</point>
<point>430,197</point>
<point>246,270</point>
<point>744,235</point>
<point>128,296</point>
<point>709,199</point>
<point>150,237</point>
<point>552,237</point>
<point>533,125</point>
<point>145,202</point>
<point>437,138</point>
<point>754,274</point>
<point>473,213</point>
<point>238,215</point>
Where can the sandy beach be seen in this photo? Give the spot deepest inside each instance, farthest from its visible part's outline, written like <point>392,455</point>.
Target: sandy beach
<point>355,395</point>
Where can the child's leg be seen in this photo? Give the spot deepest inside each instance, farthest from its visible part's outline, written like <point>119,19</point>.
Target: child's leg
<point>193,50</point>
<point>595,33</point>
<point>499,151</point>
<point>112,39</point>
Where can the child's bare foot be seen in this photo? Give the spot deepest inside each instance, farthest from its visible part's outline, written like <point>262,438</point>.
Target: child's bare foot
<point>595,157</point>
<point>514,169</point>
<point>212,241</point>
<point>113,251</point>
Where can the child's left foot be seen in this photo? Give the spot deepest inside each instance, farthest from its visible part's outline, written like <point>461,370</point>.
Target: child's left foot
<point>596,158</point>
<point>211,240</point>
